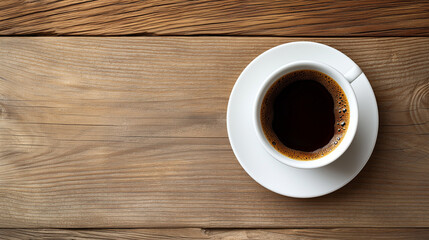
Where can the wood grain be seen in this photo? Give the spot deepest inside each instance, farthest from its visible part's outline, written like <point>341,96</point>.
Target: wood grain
<point>130,132</point>
<point>208,17</point>
<point>218,234</point>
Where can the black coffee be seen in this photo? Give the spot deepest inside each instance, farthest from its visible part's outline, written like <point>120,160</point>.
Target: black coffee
<point>305,114</point>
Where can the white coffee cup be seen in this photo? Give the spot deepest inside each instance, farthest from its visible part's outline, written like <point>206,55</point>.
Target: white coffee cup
<point>343,80</point>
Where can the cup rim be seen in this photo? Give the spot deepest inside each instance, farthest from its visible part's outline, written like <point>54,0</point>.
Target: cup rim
<point>353,121</point>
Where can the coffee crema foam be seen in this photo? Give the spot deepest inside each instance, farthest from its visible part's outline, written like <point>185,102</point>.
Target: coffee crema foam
<point>340,110</point>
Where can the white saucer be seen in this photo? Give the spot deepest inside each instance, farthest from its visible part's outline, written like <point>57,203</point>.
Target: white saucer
<point>259,164</point>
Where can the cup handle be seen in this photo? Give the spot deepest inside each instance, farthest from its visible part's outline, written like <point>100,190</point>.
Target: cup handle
<point>353,73</point>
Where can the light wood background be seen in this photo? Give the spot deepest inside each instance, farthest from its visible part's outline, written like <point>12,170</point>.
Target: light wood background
<point>221,17</point>
<point>125,137</point>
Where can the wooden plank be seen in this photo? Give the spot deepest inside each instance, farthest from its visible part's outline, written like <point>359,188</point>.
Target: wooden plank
<point>208,17</point>
<point>178,233</point>
<point>308,234</point>
<point>130,132</point>
<point>218,234</point>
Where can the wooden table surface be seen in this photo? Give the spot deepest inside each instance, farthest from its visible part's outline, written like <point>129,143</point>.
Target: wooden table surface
<point>113,119</point>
